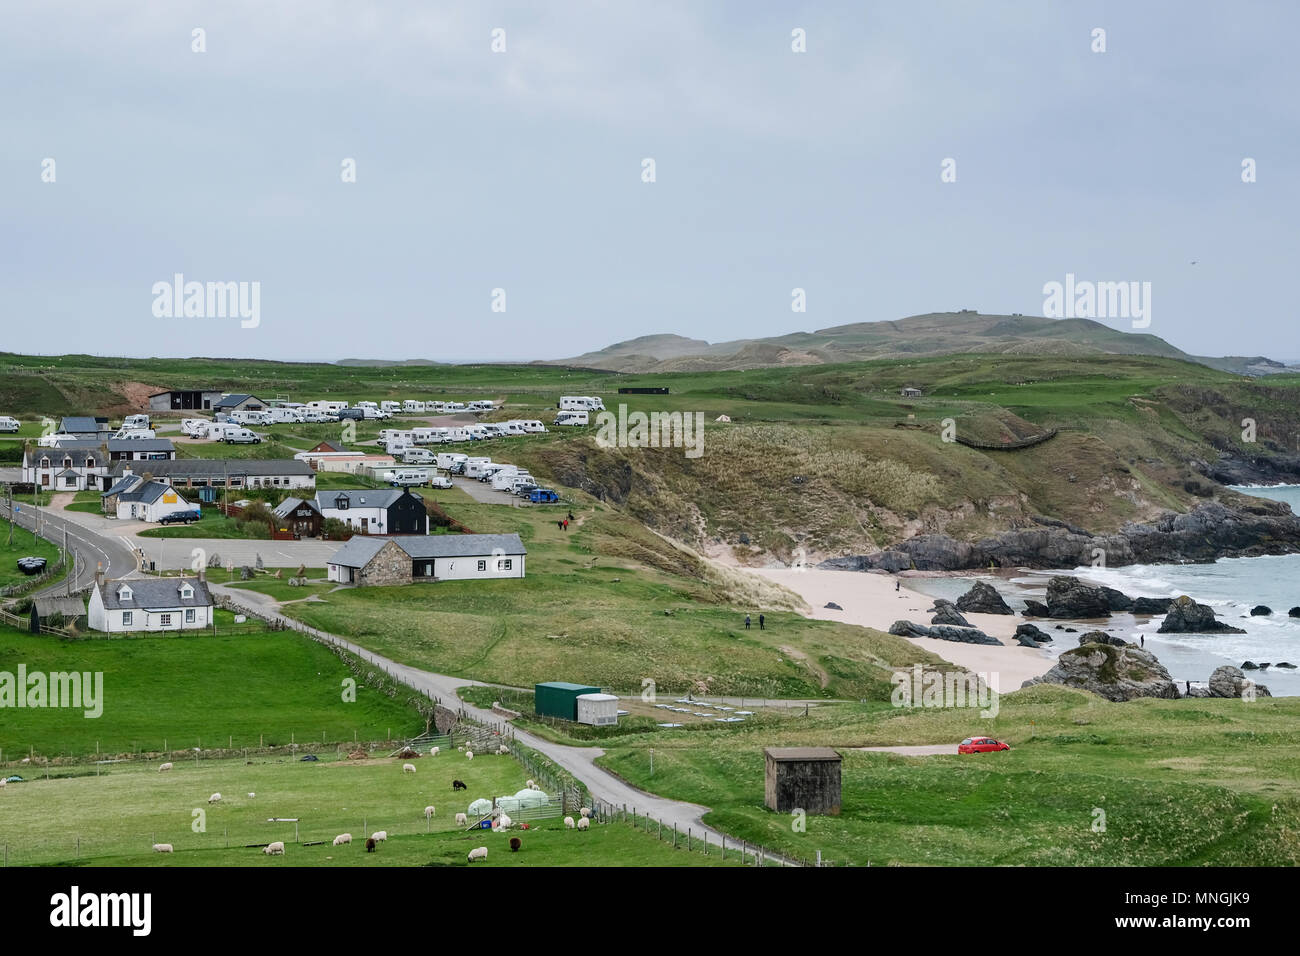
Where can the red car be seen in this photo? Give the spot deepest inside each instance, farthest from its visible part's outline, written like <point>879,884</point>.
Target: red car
<point>980,745</point>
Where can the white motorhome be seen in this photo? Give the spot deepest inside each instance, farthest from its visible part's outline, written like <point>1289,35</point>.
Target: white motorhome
<point>195,427</point>
<point>505,479</point>
<point>282,414</point>
<point>477,432</point>
<point>474,466</point>
<point>136,421</point>
<point>577,403</point>
<point>407,477</point>
<point>571,418</point>
<point>365,405</point>
<point>429,436</point>
<point>390,407</point>
<point>253,418</point>
<point>487,472</point>
<point>435,407</point>
<point>533,427</point>
<point>330,408</point>
<point>411,405</point>
<point>8,424</point>
<point>513,427</point>
<point>241,436</point>
<point>418,456</point>
<point>453,407</point>
<point>397,434</point>
<point>397,446</point>
<point>492,429</point>
<point>125,432</point>
<point>457,433</point>
<point>448,458</point>
<point>480,406</point>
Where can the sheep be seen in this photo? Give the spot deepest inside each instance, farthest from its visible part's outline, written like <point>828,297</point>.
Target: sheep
<point>162,848</point>
<point>163,768</point>
<point>428,812</point>
<point>585,812</point>
<point>478,853</point>
<point>458,785</point>
<point>515,844</point>
<point>503,749</point>
<point>274,849</point>
<point>504,822</point>
<point>370,845</point>
<point>433,752</point>
<point>584,822</point>
<point>408,768</point>
<point>342,838</point>
<point>462,820</point>
<point>251,795</point>
<point>379,836</point>
<point>469,755</point>
<point>3,783</point>
<point>532,785</point>
<point>568,823</point>
<point>215,798</point>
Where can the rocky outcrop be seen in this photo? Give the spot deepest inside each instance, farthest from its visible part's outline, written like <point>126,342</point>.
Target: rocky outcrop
<point>1036,609</point>
<point>1294,612</point>
<point>1186,616</point>
<point>983,598</point>
<point>1149,605</point>
<point>1117,600</point>
<point>962,635</point>
<point>1212,530</point>
<point>1287,664</point>
<point>1116,673</point>
<point>1261,610</point>
<point>1101,637</point>
<point>832,606</point>
<point>945,612</point>
<point>1068,597</point>
<point>1031,633</point>
<point>1229,681</point>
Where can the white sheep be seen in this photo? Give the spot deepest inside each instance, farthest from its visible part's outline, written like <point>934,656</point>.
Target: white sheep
<point>342,838</point>
<point>428,812</point>
<point>585,812</point>
<point>408,768</point>
<point>164,767</point>
<point>532,785</point>
<point>3,783</point>
<point>462,820</point>
<point>433,752</point>
<point>215,798</point>
<point>583,823</point>
<point>504,749</point>
<point>469,754</point>
<point>568,823</point>
<point>274,849</point>
<point>252,795</point>
<point>504,822</point>
<point>379,836</point>
<point>162,848</point>
<point>478,853</point>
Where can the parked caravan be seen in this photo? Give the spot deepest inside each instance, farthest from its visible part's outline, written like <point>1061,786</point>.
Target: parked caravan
<point>571,418</point>
<point>480,406</point>
<point>492,430</point>
<point>448,458</point>
<point>417,456</point>
<point>477,432</point>
<point>429,436</point>
<point>407,477</point>
<point>390,407</point>
<point>330,408</point>
<point>578,403</point>
<point>8,424</point>
<point>411,405</point>
<point>397,434</point>
<point>453,407</point>
<point>474,466</point>
<point>398,446</point>
<point>194,427</point>
<point>241,436</point>
<point>533,427</point>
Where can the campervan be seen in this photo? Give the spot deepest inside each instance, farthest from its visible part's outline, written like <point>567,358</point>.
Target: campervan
<point>506,479</point>
<point>571,418</point>
<point>448,458</point>
<point>474,466</point>
<point>241,436</point>
<point>397,446</point>
<point>390,407</point>
<point>253,418</point>
<point>480,406</point>
<point>8,424</point>
<point>439,481</point>
<point>488,472</point>
<point>453,407</point>
<point>577,403</point>
<point>407,477</point>
<point>417,456</point>
<point>410,405</point>
<point>457,433</point>
<point>429,436</point>
<point>330,408</point>
<point>397,434</point>
<point>365,405</point>
<point>125,432</point>
<point>477,432</point>
<point>533,427</point>
<point>135,421</point>
<point>492,429</point>
<point>281,415</point>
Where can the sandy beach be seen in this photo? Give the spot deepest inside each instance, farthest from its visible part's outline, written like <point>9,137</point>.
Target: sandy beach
<point>869,600</point>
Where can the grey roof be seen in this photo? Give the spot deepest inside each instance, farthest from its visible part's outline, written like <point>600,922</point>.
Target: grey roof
<point>67,606</point>
<point>235,398</point>
<point>362,497</point>
<point>283,509</point>
<point>78,456</point>
<point>123,484</point>
<point>140,444</point>
<point>149,492</point>
<point>214,467</point>
<point>358,550</point>
<point>67,472</point>
<point>173,391</point>
<point>82,423</point>
<point>154,593</point>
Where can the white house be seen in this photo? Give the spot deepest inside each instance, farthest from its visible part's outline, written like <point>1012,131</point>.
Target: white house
<point>149,604</point>
<point>439,557</point>
<point>375,511</point>
<point>135,498</point>
<point>74,467</point>
<point>223,472</point>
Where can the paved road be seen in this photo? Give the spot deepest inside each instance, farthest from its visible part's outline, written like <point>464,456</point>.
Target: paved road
<point>579,761</point>
<point>92,550</point>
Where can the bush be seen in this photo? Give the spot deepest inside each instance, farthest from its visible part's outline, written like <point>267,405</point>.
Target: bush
<point>335,530</point>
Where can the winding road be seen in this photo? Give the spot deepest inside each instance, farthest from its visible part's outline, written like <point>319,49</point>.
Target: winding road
<point>93,551</point>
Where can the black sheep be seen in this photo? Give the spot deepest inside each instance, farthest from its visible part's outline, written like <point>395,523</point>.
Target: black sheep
<point>457,785</point>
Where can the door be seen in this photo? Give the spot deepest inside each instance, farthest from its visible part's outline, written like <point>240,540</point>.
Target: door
<point>365,525</point>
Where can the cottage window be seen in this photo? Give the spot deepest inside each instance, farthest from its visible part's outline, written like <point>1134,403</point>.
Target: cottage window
<point>505,564</point>
<point>482,565</point>
<point>164,620</point>
<point>67,462</point>
<point>187,592</point>
<point>127,618</point>
<point>124,593</point>
<point>70,481</point>
<point>189,615</point>
<point>45,463</point>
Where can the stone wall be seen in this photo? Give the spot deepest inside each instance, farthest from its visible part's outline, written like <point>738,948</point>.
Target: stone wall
<point>390,565</point>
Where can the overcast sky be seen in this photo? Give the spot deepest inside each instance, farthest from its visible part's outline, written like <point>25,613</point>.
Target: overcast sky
<point>522,170</point>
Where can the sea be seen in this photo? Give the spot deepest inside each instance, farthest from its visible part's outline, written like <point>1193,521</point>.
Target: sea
<point>1232,586</point>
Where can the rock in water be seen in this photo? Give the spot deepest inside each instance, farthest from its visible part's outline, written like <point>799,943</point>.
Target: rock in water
<point>1249,666</point>
<point>1116,673</point>
<point>983,598</point>
<point>942,632</point>
<point>1287,664</point>
<point>1186,616</point>
<point>945,612</point>
<point>1028,632</point>
<point>1229,681</point>
<point>1294,612</point>
<point>1261,610</point>
<point>1036,609</point>
<point>1117,600</point>
<point>1147,605</point>
<point>1069,597</point>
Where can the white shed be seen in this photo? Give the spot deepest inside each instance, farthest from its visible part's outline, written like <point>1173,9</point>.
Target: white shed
<point>599,710</point>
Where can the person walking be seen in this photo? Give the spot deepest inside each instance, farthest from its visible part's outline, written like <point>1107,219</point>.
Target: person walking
<point>566,524</point>
<point>747,622</point>
<point>761,619</point>
<point>897,584</point>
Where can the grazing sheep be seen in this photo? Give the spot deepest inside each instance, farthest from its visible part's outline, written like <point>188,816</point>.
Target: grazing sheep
<point>379,836</point>
<point>585,812</point>
<point>3,783</point>
<point>215,798</point>
<point>478,853</point>
<point>408,768</point>
<point>503,749</point>
<point>504,822</point>
<point>462,820</point>
<point>342,838</point>
<point>428,812</point>
<point>274,849</point>
<point>162,848</point>
<point>583,823</point>
<point>531,785</point>
<point>458,785</point>
<point>433,752</point>
<point>469,755</point>
<point>164,767</point>
<point>370,845</point>
<point>515,844</point>
<point>568,823</point>
<point>252,795</point>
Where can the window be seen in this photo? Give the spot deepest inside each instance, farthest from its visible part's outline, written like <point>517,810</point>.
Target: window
<point>505,564</point>
<point>67,462</point>
<point>70,481</point>
<point>124,593</point>
<point>127,618</point>
<point>189,615</point>
<point>187,592</point>
<point>164,620</point>
<point>482,565</point>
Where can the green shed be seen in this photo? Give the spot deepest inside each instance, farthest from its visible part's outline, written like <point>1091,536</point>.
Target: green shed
<point>559,699</point>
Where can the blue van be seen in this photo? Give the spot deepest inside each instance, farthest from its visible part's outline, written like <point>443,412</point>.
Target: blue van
<point>540,496</point>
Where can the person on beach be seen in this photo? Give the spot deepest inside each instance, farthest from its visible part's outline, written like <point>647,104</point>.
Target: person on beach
<point>1142,640</point>
<point>760,622</point>
<point>897,585</point>
<point>747,622</point>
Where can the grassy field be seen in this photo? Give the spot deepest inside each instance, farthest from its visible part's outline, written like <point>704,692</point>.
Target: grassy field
<point>213,524</point>
<point>173,692</point>
<point>1181,783</point>
<point>24,544</point>
<point>120,814</point>
<point>88,502</point>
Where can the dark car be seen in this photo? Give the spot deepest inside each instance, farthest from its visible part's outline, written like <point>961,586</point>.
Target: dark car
<point>179,517</point>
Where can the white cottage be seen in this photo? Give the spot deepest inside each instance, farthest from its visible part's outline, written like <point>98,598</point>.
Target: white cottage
<point>149,604</point>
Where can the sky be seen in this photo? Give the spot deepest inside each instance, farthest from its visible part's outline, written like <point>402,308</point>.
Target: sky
<point>523,169</point>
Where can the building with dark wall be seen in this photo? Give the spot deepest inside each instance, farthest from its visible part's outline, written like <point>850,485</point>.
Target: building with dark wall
<point>803,778</point>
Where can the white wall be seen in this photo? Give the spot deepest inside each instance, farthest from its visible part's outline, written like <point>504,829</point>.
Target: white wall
<point>461,569</point>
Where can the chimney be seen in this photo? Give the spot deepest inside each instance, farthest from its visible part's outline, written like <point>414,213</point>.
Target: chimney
<point>99,574</point>
<point>202,574</point>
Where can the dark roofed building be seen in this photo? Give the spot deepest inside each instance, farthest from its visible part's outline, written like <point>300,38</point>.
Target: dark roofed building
<point>149,604</point>
<point>375,511</point>
<point>222,472</point>
<point>184,400</point>
<point>299,516</point>
<point>239,402</point>
<point>439,557</point>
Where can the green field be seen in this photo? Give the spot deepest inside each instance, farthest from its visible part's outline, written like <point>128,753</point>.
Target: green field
<point>178,692</point>
<point>23,544</point>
